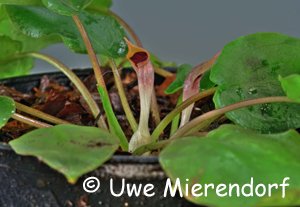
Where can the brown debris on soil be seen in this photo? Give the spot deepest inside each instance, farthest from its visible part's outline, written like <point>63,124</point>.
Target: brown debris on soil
<point>83,201</point>
<point>16,95</point>
<point>65,102</point>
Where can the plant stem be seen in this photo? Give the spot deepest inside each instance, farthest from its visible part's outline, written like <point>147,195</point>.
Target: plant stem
<point>201,126</point>
<point>222,119</point>
<point>75,80</point>
<point>198,134</point>
<point>123,98</point>
<point>40,114</point>
<point>161,144</point>
<point>120,66</point>
<point>113,123</point>
<point>162,72</point>
<point>218,112</point>
<point>152,146</point>
<point>204,125</point>
<point>154,108</point>
<point>29,121</point>
<point>162,125</point>
<point>91,52</point>
<point>175,121</point>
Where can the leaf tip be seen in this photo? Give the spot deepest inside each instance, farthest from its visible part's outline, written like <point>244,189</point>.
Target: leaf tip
<point>72,179</point>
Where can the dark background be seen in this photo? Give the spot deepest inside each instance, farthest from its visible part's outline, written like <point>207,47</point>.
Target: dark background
<point>191,31</point>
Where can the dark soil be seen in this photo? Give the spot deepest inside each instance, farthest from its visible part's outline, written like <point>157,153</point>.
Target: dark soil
<point>65,102</point>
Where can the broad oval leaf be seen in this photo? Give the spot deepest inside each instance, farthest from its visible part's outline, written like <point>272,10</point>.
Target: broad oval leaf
<point>104,31</point>
<point>9,66</point>
<point>28,43</point>
<point>248,68</point>
<point>182,72</point>
<point>291,86</point>
<point>69,149</point>
<point>233,155</point>
<point>23,2</point>
<point>18,67</point>
<point>8,48</point>
<point>7,109</point>
<point>67,7</point>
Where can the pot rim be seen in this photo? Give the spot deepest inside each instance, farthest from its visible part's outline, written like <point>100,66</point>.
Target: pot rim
<point>77,71</point>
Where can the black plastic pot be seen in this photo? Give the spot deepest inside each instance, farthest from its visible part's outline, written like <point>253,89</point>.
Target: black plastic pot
<point>24,181</point>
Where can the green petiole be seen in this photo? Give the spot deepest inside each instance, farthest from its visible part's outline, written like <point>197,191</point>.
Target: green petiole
<point>114,125</point>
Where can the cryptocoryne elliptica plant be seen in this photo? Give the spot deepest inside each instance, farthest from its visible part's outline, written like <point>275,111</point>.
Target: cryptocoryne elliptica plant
<point>248,92</point>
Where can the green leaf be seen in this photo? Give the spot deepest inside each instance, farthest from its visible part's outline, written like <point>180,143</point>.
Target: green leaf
<point>29,43</point>
<point>8,48</point>
<point>67,7</point>
<point>9,66</point>
<point>104,31</point>
<point>248,68</point>
<point>2,13</point>
<point>291,86</point>
<point>100,5</point>
<point>23,2</point>
<point>114,125</point>
<point>7,109</point>
<point>69,149</point>
<point>104,61</point>
<point>232,155</point>
<point>182,72</point>
<point>205,82</point>
<point>20,67</point>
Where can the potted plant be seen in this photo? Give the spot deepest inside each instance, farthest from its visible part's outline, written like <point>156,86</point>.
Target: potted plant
<point>254,81</point>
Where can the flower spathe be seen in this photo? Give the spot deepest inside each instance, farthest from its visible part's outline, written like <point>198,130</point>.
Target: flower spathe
<point>140,61</point>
